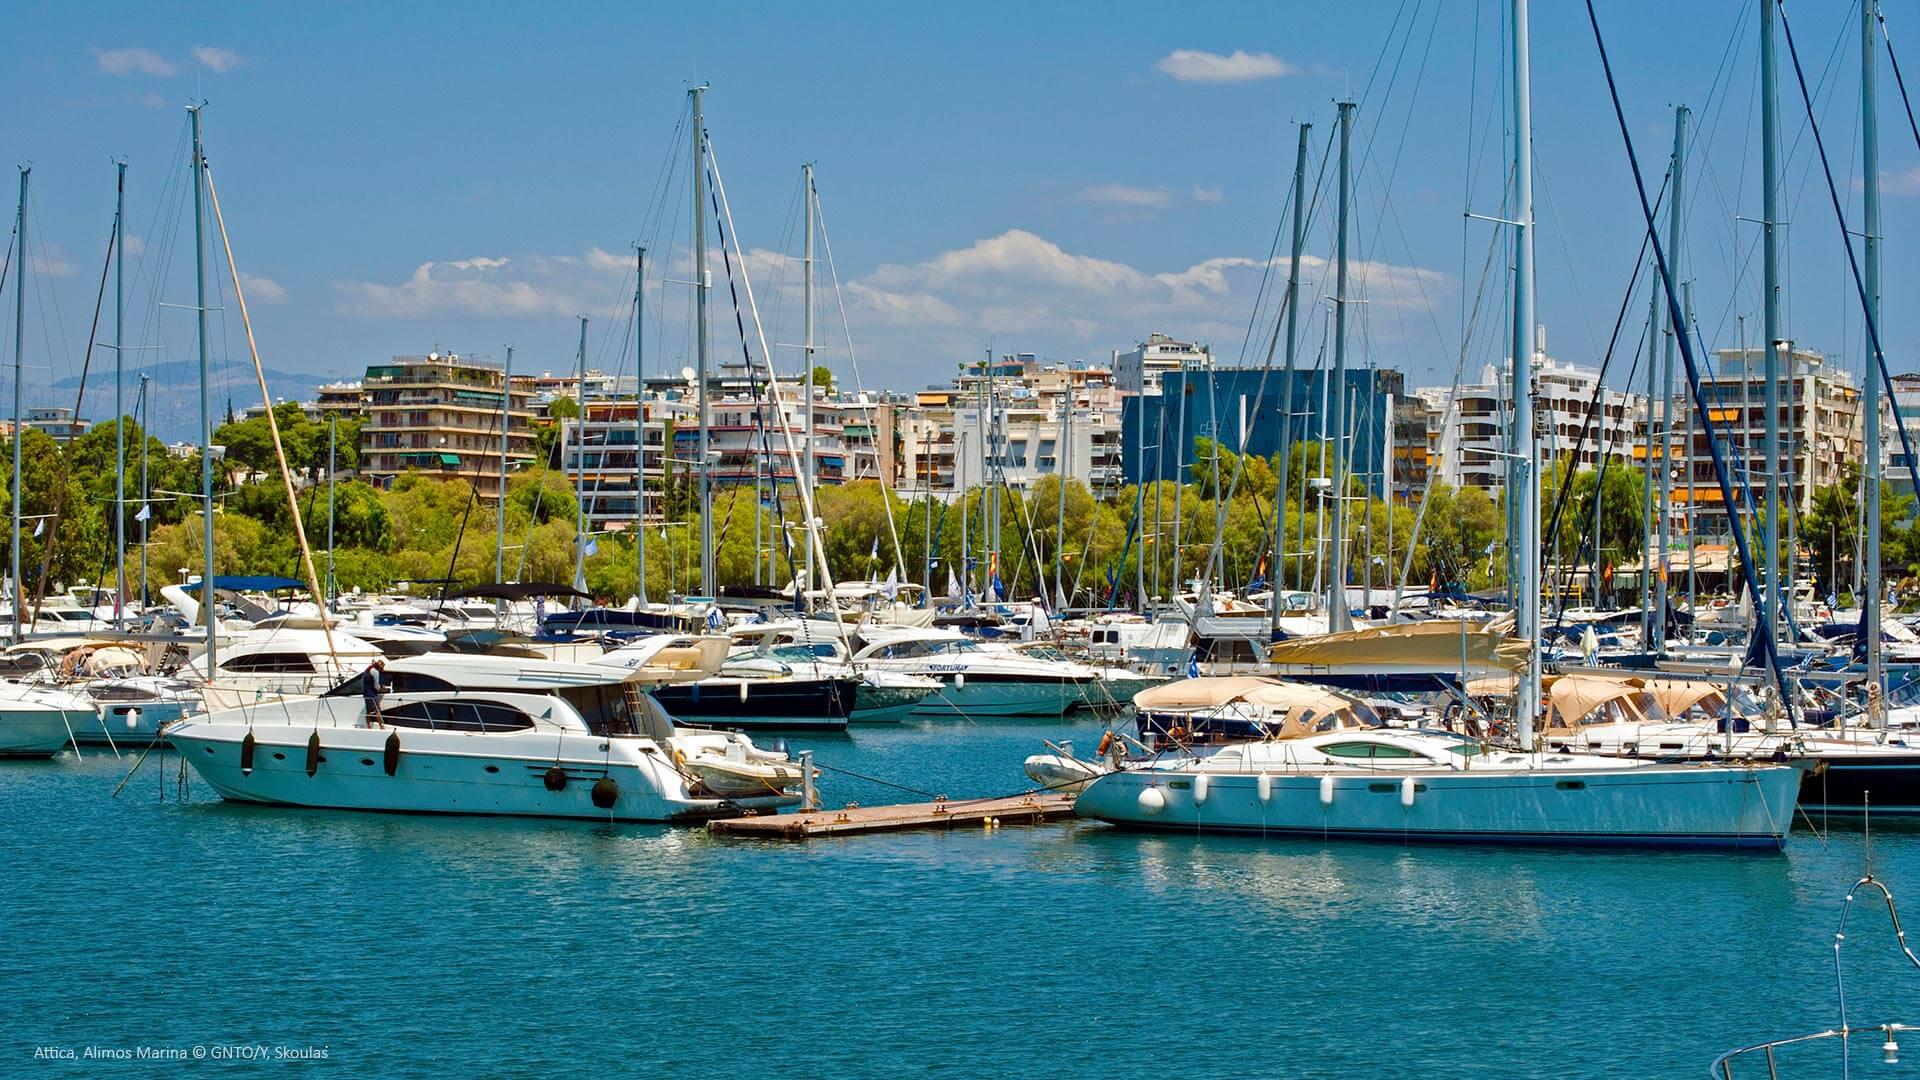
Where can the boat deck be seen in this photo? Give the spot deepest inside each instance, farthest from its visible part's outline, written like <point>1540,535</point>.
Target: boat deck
<point>854,820</point>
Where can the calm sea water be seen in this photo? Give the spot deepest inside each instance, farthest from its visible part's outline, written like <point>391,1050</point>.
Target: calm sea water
<point>415,946</point>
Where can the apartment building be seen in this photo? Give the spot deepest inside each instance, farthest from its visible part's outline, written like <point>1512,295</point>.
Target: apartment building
<point>441,414</point>
<point>1820,433</point>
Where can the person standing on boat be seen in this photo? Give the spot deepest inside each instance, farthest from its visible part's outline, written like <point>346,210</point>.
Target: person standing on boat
<point>370,688</point>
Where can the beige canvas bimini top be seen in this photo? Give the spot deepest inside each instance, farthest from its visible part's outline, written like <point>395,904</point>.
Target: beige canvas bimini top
<point>1439,645</point>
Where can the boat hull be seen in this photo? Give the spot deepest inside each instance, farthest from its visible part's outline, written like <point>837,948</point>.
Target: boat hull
<point>129,723</point>
<point>769,704</point>
<point>1682,807</point>
<point>32,733</point>
<point>489,775</point>
<point>986,695</point>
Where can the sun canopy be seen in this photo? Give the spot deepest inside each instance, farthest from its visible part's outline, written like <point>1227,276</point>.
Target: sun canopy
<point>1440,646</point>
<point>1302,709</point>
<point>517,591</point>
<point>1572,698</point>
<point>257,583</point>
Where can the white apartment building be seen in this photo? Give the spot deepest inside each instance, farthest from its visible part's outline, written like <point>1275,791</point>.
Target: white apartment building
<point>1138,370</point>
<point>1467,431</point>
<point>945,444</point>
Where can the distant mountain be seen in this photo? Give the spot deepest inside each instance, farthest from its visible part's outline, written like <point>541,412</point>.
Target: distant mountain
<point>173,394</point>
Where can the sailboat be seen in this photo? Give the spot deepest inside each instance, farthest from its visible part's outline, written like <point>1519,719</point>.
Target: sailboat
<point>1393,784</point>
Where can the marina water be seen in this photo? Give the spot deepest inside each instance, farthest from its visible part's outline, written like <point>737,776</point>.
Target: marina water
<point>407,945</point>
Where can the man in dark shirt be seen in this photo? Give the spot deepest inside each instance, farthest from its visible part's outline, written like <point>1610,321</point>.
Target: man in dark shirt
<point>370,688</point>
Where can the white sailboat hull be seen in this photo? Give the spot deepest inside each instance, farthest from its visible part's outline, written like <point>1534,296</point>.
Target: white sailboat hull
<point>29,732</point>
<point>977,696</point>
<point>1684,806</point>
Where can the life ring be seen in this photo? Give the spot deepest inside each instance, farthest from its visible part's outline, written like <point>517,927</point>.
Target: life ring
<point>1177,733</point>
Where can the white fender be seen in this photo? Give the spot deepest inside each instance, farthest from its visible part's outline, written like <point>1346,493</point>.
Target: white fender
<point>1152,801</point>
<point>959,680</point>
<point>743,691</point>
<point>1406,791</point>
<point>1263,786</point>
<point>1326,791</point>
<point>1202,784</point>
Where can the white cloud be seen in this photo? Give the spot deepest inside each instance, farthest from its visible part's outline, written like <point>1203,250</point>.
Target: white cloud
<point>1196,65</point>
<point>262,290</point>
<point>1126,195</point>
<point>133,61</point>
<point>48,260</point>
<point>492,286</point>
<point>1904,182</point>
<point>1208,194</point>
<point>216,59</point>
<point>1021,285</point>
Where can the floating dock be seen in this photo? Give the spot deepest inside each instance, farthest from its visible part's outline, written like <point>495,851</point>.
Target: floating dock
<point>949,814</point>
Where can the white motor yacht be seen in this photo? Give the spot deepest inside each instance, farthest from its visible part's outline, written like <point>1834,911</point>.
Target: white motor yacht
<point>261,664</point>
<point>979,679</point>
<point>467,734</point>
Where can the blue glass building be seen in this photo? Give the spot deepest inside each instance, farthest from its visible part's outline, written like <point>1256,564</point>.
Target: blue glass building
<point>1225,402</point>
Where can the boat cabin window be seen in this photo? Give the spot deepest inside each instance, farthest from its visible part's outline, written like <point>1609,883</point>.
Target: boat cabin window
<point>906,650</point>
<point>483,716</point>
<point>300,663</point>
<point>1368,750</point>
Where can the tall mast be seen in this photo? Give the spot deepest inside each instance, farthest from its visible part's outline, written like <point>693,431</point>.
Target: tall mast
<point>1140,501</point>
<point>1060,461</point>
<point>700,285</point>
<point>1674,262</point>
<point>806,378</point>
<point>1870,407</point>
<point>1649,530</point>
<point>1527,508</point>
<point>333,425</point>
<point>119,407</point>
<point>580,468</point>
<point>1770,318</point>
<point>19,342</point>
<point>500,508</point>
<point>1339,618</point>
<point>1286,380</point>
<point>141,408</point>
<point>640,429</point>
<point>206,390</point>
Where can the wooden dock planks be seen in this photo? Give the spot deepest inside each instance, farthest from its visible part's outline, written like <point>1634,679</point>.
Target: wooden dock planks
<point>1014,810</point>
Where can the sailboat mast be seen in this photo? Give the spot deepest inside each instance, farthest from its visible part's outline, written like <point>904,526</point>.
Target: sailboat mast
<point>701,277</point>
<point>806,378</point>
<point>1061,459</point>
<point>145,513</point>
<point>580,467</point>
<point>640,430</point>
<point>119,406</point>
<point>333,434</point>
<point>1674,263</point>
<point>1770,307</point>
<point>500,508</point>
<point>1287,380</point>
<point>1647,640</point>
<point>1870,407</point>
<point>206,389</point>
<point>19,342</point>
<point>1527,508</point>
<point>1339,618</point>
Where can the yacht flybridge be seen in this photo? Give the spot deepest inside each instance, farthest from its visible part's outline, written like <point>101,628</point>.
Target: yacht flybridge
<point>462,734</point>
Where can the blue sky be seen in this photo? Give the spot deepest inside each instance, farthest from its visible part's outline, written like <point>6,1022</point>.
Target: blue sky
<point>1058,178</point>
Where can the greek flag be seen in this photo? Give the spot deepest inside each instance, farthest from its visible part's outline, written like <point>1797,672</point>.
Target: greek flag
<point>591,547</point>
<point>1193,667</point>
<point>875,553</point>
<point>146,512</point>
<point>714,621</point>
